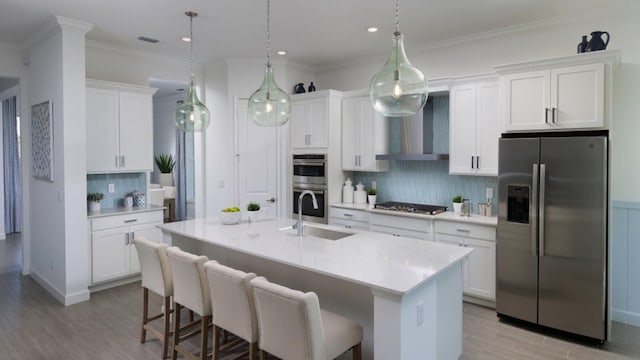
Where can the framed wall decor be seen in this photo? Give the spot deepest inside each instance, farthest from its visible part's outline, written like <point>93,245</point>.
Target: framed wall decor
<point>42,140</point>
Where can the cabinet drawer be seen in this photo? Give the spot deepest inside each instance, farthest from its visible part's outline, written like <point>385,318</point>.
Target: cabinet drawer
<point>422,235</point>
<point>348,214</point>
<point>400,222</point>
<point>350,225</point>
<point>466,230</point>
<point>130,219</point>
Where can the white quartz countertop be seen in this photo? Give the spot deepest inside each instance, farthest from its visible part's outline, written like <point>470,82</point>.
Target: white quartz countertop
<point>122,211</point>
<point>375,260</point>
<point>446,216</point>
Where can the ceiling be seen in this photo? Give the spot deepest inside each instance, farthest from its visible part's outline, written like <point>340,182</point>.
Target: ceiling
<point>315,33</point>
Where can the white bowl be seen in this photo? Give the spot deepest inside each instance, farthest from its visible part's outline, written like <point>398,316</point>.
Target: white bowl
<point>230,218</point>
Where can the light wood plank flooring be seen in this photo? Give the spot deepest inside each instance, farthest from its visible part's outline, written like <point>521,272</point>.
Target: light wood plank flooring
<point>34,326</point>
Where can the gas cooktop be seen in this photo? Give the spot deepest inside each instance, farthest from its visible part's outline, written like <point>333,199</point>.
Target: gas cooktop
<point>411,208</point>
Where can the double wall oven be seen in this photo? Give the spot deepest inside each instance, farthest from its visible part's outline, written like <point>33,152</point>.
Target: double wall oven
<point>310,173</point>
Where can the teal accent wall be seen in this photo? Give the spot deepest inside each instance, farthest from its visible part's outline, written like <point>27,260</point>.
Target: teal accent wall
<point>124,183</point>
<point>427,182</point>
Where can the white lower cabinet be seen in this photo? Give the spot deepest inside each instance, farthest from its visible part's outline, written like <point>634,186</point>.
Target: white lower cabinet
<point>113,254</point>
<point>353,219</point>
<point>400,226</point>
<point>479,268</point>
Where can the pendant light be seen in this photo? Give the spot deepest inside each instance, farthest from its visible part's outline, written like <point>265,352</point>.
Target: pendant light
<point>191,115</point>
<point>269,105</point>
<point>398,89</point>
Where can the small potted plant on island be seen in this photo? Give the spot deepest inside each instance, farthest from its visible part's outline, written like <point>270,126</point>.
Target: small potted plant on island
<point>165,163</point>
<point>372,196</point>
<point>457,204</point>
<point>253,211</point>
<point>94,201</point>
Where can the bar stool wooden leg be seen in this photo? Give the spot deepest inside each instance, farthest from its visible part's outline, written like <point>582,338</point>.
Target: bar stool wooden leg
<point>167,326</point>
<point>357,352</point>
<point>253,348</point>
<point>204,336</point>
<point>176,328</point>
<point>145,314</point>
<point>263,355</point>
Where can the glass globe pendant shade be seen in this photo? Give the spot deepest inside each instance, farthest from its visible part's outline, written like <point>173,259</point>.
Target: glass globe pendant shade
<point>269,105</point>
<point>398,89</point>
<point>192,115</point>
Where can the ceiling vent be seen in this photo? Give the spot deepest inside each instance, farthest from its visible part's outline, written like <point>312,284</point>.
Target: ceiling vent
<point>148,39</point>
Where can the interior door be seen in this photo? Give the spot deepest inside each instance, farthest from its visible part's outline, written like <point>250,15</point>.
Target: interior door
<point>257,155</point>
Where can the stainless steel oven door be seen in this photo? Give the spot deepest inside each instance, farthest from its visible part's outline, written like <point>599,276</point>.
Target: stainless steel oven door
<point>319,215</point>
<point>309,169</point>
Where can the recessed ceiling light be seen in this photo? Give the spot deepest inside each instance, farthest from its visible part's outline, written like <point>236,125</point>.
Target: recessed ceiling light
<point>372,29</point>
<point>148,39</point>
<point>186,39</point>
<point>281,52</point>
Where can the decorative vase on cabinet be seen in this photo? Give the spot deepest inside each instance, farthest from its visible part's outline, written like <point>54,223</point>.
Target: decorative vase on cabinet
<point>166,179</point>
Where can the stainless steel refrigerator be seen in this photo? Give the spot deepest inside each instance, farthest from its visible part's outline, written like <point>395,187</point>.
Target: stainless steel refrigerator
<point>551,254</point>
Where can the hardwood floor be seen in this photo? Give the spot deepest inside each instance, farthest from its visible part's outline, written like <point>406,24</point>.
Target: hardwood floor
<point>34,326</point>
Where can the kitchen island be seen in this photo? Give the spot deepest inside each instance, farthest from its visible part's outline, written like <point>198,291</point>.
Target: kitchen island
<point>406,293</point>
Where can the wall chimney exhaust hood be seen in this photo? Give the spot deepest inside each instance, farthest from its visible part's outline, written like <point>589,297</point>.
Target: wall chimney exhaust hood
<point>412,137</point>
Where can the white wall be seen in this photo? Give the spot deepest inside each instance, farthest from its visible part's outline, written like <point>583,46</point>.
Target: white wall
<point>59,246</point>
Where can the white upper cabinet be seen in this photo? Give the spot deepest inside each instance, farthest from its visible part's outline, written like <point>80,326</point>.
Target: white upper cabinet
<point>119,127</point>
<point>474,129</point>
<point>364,134</point>
<point>566,93</point>
<point>311,114</point>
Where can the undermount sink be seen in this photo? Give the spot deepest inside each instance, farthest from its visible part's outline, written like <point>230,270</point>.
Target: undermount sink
<point>323,233</point>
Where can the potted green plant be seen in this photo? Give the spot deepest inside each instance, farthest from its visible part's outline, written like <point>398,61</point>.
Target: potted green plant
<point>94,201</point>
<point>372,196</point>
<point>253,211</point>
<point>457,204</point>
<point>165,163</point>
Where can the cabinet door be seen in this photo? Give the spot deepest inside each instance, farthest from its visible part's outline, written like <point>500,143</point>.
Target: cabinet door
<point>109,254</point>
<point>399,232</point>
<point>577,96</point>
<point>462,125</point>
<point>102,130</point>
<point>480,274</point>
<point>373,138</point>
<point>526,98</point>
<point>136,131</point>
<point>350,112</point>
<point>487,129</point>
<point>148,231</point>
<point>309,124</point>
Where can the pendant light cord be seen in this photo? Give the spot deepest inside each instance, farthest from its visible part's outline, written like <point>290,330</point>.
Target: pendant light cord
<point>268,33</point>
<point>397,15</point>
<point>191,15</point>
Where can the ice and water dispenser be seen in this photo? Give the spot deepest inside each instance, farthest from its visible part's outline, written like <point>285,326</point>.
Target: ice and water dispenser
<point>518,203</point>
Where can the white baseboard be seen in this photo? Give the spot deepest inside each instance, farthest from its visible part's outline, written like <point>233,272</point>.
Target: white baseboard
<point>626,317</point>
<point>3,236</point>
<point>65,300</point>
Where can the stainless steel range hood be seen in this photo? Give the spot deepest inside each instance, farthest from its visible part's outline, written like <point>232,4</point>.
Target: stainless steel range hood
<point>414,135</point>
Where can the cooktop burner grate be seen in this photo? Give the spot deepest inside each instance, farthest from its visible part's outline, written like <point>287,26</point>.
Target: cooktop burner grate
<point>411,208</point>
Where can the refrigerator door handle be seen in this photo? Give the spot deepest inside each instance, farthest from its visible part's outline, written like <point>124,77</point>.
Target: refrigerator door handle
<point>543,178</point>
<point>533,210</point>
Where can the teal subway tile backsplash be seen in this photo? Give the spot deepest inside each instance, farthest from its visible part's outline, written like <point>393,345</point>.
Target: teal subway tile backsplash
<point>427,182</point>
<point>124,183</point>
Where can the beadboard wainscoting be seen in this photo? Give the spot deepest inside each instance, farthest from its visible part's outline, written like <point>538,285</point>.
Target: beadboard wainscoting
<point>625,262</point>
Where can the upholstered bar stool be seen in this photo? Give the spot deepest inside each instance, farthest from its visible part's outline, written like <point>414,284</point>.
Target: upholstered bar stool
<point>157,278</point>
<point>191,291</point>
<point>293,327</point>
<point>233,309</point>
